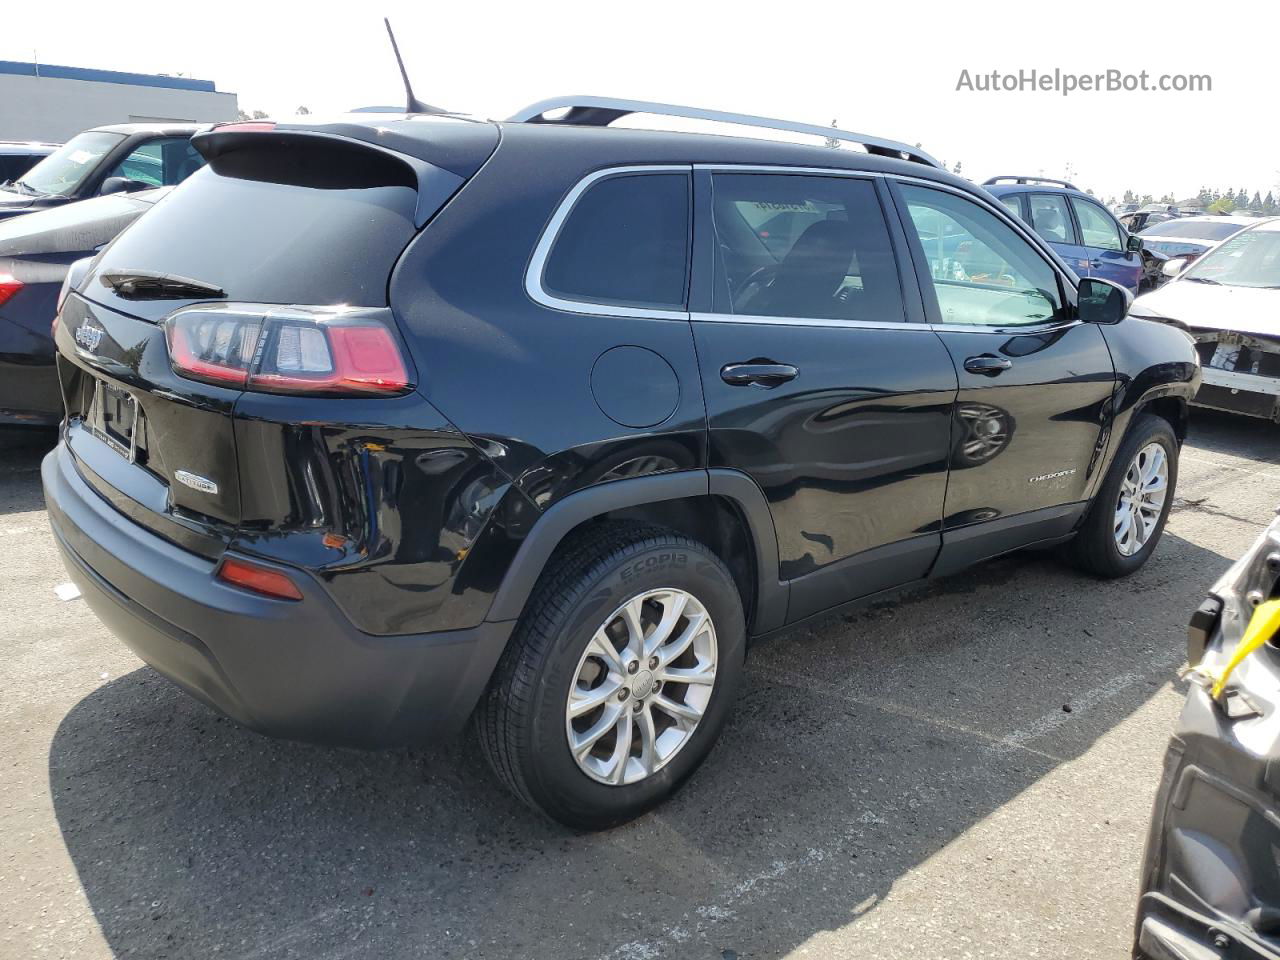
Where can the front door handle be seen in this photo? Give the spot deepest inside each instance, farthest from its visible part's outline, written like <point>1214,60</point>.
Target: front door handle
<point>760,373</point>
<point>988,365</point>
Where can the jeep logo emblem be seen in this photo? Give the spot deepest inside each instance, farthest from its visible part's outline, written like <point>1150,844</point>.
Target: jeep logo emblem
<point>89,336</point>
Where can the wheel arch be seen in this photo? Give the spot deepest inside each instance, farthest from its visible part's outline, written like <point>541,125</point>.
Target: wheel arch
<point>1172,408</point>
<point>723,508</point>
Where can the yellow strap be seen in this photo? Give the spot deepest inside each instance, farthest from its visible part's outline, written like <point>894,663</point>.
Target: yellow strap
<point>1263,625</point>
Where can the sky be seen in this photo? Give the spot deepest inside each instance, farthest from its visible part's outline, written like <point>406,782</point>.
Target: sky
<point>888,69</point>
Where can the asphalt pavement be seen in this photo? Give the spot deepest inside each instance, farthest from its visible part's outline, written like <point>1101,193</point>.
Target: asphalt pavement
<point>964,772</point>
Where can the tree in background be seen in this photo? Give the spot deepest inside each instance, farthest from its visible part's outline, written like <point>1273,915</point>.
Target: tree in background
<point>304,112</point>
<point>833,143</point>
<point>1224,204</point>
<point>256,115</point>
<point>1269,204</point>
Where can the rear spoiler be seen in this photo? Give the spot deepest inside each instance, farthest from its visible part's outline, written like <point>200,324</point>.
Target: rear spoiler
<point>260,150</point>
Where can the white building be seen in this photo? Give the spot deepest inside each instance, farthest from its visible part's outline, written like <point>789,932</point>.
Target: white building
<point>41,101</point>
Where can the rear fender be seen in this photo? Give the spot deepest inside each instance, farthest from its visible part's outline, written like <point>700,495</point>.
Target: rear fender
<point>551,528</point>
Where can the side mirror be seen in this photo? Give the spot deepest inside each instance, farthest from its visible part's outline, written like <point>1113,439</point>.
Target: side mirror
<point>1174,267</point>
<point>1134,243</point>
<point>1101,301</point>
<point>120,185</point>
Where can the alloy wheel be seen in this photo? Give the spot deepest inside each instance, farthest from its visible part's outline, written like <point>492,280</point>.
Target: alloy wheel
<point>641,687</point>
<point>1142,494</point>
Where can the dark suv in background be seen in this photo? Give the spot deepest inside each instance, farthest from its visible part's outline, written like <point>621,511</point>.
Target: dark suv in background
<point>378,424</point>
<point>123,157</point>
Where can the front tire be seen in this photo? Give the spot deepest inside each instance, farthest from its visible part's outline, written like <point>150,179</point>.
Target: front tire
<point>619,678</point>
<point>1129,512</point>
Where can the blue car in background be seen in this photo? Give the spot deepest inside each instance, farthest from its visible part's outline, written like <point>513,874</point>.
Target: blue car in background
<point>1084,232</point>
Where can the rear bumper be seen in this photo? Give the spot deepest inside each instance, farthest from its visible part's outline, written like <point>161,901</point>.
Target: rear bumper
<point>298,670</point>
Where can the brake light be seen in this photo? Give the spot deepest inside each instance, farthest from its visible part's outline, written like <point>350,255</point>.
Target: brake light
<point>9,285</point>
<point>288,349</point>
<point>250,576</point>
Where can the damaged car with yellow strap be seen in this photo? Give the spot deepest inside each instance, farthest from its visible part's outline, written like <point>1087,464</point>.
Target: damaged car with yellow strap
<point>1211,871</point>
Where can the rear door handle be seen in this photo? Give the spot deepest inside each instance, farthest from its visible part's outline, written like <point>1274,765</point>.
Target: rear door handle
<point>761,373</point>
<point>987,365</point>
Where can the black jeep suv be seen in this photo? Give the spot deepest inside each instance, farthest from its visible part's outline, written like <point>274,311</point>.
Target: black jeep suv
<point>380,424</point>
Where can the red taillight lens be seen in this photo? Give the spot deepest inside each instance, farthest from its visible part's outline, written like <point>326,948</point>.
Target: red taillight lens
<point>213,346</point>
<point>9,285</point>
<point>262,580</point>
<point>331,358</point>
<point>287,350</point>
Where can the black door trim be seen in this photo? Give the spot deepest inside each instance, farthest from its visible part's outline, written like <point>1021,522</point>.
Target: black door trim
<point>870,571</point>
<point>966,546</point>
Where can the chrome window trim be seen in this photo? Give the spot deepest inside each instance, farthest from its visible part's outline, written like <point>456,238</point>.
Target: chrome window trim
<point>754,318</point>
<point>776,168</point>
<point>538,262</point>
<point>1029,330</point>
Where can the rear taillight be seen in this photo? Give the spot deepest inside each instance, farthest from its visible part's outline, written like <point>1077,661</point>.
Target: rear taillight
<point>9,285</point>
<point>262,580</point>
<point>288,349</point>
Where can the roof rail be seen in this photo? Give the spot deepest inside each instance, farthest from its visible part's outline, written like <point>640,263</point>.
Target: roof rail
<point>602,111</point>
<point>1060,183</point>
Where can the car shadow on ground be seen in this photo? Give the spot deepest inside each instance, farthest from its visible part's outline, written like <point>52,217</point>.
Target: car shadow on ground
<point>860,747</point>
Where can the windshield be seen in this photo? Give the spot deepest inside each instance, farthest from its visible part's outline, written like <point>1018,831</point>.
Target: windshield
<point>1194,230</point>
<point>66,168</point>
<point>1249,259</point>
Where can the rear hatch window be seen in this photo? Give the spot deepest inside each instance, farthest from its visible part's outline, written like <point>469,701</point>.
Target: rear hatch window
<point>270,242</point>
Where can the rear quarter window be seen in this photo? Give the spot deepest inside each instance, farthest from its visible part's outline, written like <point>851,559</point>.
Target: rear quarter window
<point>624,242</point>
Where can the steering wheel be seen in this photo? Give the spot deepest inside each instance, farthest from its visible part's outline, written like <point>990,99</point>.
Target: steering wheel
<point>761,277</point>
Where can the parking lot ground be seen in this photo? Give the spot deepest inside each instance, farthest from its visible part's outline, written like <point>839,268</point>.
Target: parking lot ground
<point>967,772</point>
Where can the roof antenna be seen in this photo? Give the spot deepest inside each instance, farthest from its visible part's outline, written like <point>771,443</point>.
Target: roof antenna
<point>412,103</point>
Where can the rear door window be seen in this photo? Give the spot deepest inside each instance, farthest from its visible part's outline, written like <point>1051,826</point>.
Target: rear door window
<point>625,242</point>
<point>803,246</point>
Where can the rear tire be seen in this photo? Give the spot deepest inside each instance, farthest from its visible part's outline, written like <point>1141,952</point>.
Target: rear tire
<point>1124,523</point>
<point>556,683</point>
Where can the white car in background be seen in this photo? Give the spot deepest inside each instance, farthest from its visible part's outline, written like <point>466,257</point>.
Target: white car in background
<point>1189,237</point>
<point>1229,301</point>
